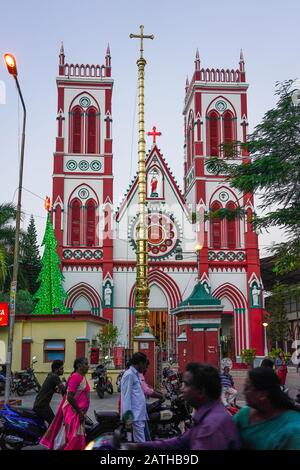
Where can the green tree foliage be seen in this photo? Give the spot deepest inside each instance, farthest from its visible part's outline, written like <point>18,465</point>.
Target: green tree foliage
<point>108,338</point>
<point>7,239</point>
<point>7,244</point>
<point>273,169</point>
<point>24,301</point>
<point>31,257</point>
<point>51,294</point>
<point>278,324</point>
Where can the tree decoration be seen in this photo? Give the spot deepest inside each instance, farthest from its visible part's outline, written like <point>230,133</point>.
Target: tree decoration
<point>51,294</point>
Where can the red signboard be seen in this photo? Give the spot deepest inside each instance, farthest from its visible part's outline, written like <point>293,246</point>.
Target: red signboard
<point>3,314</point>
<point>119,357</point>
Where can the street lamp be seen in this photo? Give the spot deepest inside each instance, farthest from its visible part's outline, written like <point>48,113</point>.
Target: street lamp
<point>198,248</point>
<point>265,325</point>
<point>11,65</point>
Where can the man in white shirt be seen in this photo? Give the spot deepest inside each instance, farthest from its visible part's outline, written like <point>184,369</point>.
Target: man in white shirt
<point>133,401</point>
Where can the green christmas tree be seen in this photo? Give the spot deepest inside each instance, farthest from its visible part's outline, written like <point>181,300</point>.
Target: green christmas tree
<point>31,261</point>
<point>51,294</point>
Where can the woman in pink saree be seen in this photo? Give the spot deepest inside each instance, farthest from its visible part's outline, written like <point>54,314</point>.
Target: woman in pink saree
<point>66,432</point>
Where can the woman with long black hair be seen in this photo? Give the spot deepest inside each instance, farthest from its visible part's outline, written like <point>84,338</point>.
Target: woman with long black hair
<point>271,420</point>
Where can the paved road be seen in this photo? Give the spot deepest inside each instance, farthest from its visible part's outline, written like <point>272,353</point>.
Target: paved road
<point>110,402</point>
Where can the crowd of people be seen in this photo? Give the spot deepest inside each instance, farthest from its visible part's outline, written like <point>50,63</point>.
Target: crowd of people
<point>270,420</point>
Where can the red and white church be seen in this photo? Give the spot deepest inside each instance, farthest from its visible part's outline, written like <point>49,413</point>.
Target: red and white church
<point>97,243</point>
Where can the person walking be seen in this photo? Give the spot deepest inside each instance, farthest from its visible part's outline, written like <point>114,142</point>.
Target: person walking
<point>67,431</point>
<point>133,401</point>
<point>229,393</point>
<point>281,369</point>
<point>213,427</point>
<point>51,385</point>
<point>270,421</point>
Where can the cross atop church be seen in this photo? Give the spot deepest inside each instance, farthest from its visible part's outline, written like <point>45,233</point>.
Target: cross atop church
<point>154,134</point>
<point>141,36</point>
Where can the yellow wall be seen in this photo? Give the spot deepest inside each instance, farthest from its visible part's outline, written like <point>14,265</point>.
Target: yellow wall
<point>39,331</point>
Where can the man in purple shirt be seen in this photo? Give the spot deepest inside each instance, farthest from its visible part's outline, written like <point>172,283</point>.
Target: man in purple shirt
<point>213,427</point>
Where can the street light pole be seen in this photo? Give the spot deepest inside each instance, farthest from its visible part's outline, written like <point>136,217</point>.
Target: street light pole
<point>265,338</point>
<point>12,69</point>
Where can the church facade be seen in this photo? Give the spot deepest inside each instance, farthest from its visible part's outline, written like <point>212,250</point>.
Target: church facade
<point>97,244</point>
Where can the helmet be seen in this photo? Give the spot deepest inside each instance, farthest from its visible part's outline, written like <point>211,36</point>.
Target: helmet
<point>104,442</point>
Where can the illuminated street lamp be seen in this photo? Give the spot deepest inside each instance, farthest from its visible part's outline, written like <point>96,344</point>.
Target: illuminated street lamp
<point>198,248</point>
<point>11,65</point>
<point>265,325</point>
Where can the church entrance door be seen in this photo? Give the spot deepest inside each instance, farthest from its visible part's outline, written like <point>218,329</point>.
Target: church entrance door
<point>159,322</point>
<point>227,348</point>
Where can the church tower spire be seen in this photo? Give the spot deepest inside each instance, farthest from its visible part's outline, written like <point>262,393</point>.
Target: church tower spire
<point>61,59</point>
<point>197,60</point>
<point>108,62</point>
<point>242,67</point>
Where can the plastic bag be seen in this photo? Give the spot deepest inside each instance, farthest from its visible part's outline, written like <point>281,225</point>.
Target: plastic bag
<point>60,439</point>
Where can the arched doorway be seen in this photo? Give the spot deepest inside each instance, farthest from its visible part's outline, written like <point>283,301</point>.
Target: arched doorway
<point>159,319</point>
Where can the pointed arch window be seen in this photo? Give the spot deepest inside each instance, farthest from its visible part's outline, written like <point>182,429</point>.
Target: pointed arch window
<point>77,123</point>
<point>215,225</point>
<point>214,134</point>
<point>90,223</point>
<point>75,222</point>
<point>231,228</point>
<point>190,140</point>
<point>228,131</point>
<point>91,130</point>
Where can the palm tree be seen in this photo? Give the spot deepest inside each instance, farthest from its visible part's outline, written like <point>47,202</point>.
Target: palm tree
<point>7,237</point>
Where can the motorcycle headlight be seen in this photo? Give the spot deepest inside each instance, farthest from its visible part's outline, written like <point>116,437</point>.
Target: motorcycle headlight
<point>90,445</point>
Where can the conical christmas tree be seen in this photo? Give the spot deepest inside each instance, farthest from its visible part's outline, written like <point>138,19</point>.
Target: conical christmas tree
<point>51,294</point>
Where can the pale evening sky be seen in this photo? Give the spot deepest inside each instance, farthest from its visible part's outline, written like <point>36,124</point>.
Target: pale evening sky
<point>33,30</point>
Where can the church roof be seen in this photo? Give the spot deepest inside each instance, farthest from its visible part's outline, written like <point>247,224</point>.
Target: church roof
<point>154,156</point>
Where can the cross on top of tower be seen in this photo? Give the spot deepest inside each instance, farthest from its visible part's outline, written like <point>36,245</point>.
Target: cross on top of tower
<point>154,134</point>
<point>141,36</point>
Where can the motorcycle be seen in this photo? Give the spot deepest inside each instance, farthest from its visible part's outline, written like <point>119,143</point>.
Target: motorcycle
<point>19,427</point>
<point>164,421</point>
<point>171,380</point>
<point>102,383</point>
<point>27,380</point>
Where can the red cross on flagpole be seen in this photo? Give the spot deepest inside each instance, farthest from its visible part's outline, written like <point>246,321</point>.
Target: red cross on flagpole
<point>154,134</point>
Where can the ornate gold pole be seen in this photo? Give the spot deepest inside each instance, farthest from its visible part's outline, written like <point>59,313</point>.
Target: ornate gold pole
<point>142,284</point>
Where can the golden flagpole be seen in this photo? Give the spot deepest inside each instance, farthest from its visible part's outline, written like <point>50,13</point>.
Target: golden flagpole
<point>142,282</point>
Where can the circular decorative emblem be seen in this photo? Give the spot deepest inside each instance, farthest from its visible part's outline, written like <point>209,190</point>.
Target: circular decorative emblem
<point>230,256</point>
<point>98,254</point>
<point>77,254</point>
<point>221,256</point>
<point>221,106</point>
<point>83,193</point>
<point>88,254</point>
<point>164,234</point>
<point>223,196</point>
<point>84,102</point>
<point>240,256</point>
<point>209,170</point>
<point>71,165</point>
<point>95,165</point>
<point>67,254</point>
<point>211,255</point>
<point>83,165</point>
<point>226,362</point>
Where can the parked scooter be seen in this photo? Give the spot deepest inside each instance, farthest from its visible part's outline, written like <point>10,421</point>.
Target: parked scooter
<point>27,380</point>
<point>19,427</point>
<point>102,383</point>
